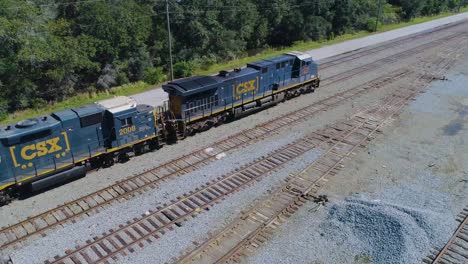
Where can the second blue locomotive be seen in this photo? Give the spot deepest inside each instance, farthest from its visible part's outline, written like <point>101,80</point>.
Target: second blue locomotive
<point>200,102</point>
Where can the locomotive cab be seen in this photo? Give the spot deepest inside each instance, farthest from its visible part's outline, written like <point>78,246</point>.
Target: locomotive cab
<point>304,68</point>
<point>125,122</point>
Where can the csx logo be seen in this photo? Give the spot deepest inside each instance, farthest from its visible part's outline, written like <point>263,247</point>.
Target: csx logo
<point>57,145</point>
<point>245,87</point>
<point>41,149</point>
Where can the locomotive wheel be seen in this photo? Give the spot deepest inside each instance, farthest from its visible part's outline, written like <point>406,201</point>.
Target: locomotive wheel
<point>207,125</point>
<point>108,161</point>
<point>182,130</point>
<point>154,144</point>
<point>220,120</point>
<point>123,157</point>
<point>139,150</point>
<point>4,198</point>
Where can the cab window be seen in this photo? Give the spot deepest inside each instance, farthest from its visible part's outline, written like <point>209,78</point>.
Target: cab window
<point>126,122</point>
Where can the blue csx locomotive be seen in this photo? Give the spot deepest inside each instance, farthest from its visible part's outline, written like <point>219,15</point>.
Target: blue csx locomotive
<point>44,151</point>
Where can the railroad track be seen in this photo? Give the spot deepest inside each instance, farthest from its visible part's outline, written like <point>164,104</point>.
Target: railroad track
<point>456,249</point>
<point>149,227</point>
<point>89,204</point>
<point>388,60</point>
<point>253,228</point>
<point>365,52</point>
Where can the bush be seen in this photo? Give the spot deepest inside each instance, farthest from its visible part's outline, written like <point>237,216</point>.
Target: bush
<point>371,24</point>
<point>206,61</point>
<point>3,109</point>
<point>122,78</point>
<point>38,103</point>
<point>184,69</point>
<point>107,79</point>
<point>92,91</point>
<point>154,75</point>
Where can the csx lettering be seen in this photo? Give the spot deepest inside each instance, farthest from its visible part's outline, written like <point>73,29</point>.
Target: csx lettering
<point>245,87</point>
<point>127,130</point>
<point>41,149</point>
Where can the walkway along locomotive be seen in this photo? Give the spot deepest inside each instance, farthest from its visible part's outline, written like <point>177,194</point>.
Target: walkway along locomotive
<point>40,152</point>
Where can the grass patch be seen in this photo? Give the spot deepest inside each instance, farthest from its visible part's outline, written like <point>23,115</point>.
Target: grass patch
<point>139,87</point>
<point>78,100</point>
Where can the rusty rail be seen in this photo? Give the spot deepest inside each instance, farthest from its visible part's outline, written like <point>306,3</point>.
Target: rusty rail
<point>253,228</point>
<point>456,249</point>
<point>89,204</point>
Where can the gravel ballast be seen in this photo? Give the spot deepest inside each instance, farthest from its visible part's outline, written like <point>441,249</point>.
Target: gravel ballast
<point>167,248</point>
<point>102,178</point>
<point>57,242</point>
<point>396,200</point>
<point>221,214</point>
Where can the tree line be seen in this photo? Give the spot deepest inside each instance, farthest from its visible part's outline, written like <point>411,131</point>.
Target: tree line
<point>53,49</point>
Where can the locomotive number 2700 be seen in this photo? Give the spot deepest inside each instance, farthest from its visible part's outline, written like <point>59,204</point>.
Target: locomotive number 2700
<point>127,130</point>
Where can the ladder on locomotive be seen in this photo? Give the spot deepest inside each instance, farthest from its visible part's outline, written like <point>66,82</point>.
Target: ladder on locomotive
<point>167,121</point>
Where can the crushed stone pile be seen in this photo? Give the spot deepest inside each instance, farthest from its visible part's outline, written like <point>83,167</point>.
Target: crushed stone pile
<point>385,232</point>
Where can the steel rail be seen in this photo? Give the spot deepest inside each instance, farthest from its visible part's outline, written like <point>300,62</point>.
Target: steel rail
<point>381,47</point>
<point>456,249</point>
<point>89,204</point>
<point>151,226</point>
<point>392,107</point>
<point>389,110</point>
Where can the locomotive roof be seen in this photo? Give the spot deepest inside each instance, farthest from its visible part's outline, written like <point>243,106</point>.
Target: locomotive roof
<point>198,84</point>
<point>82,111</point>
<point>270,61</point>
<point>191,85</point>
<point>118,104</point>
<point>300,55</point>
<point>28,126</point>
<point>285,57</point>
